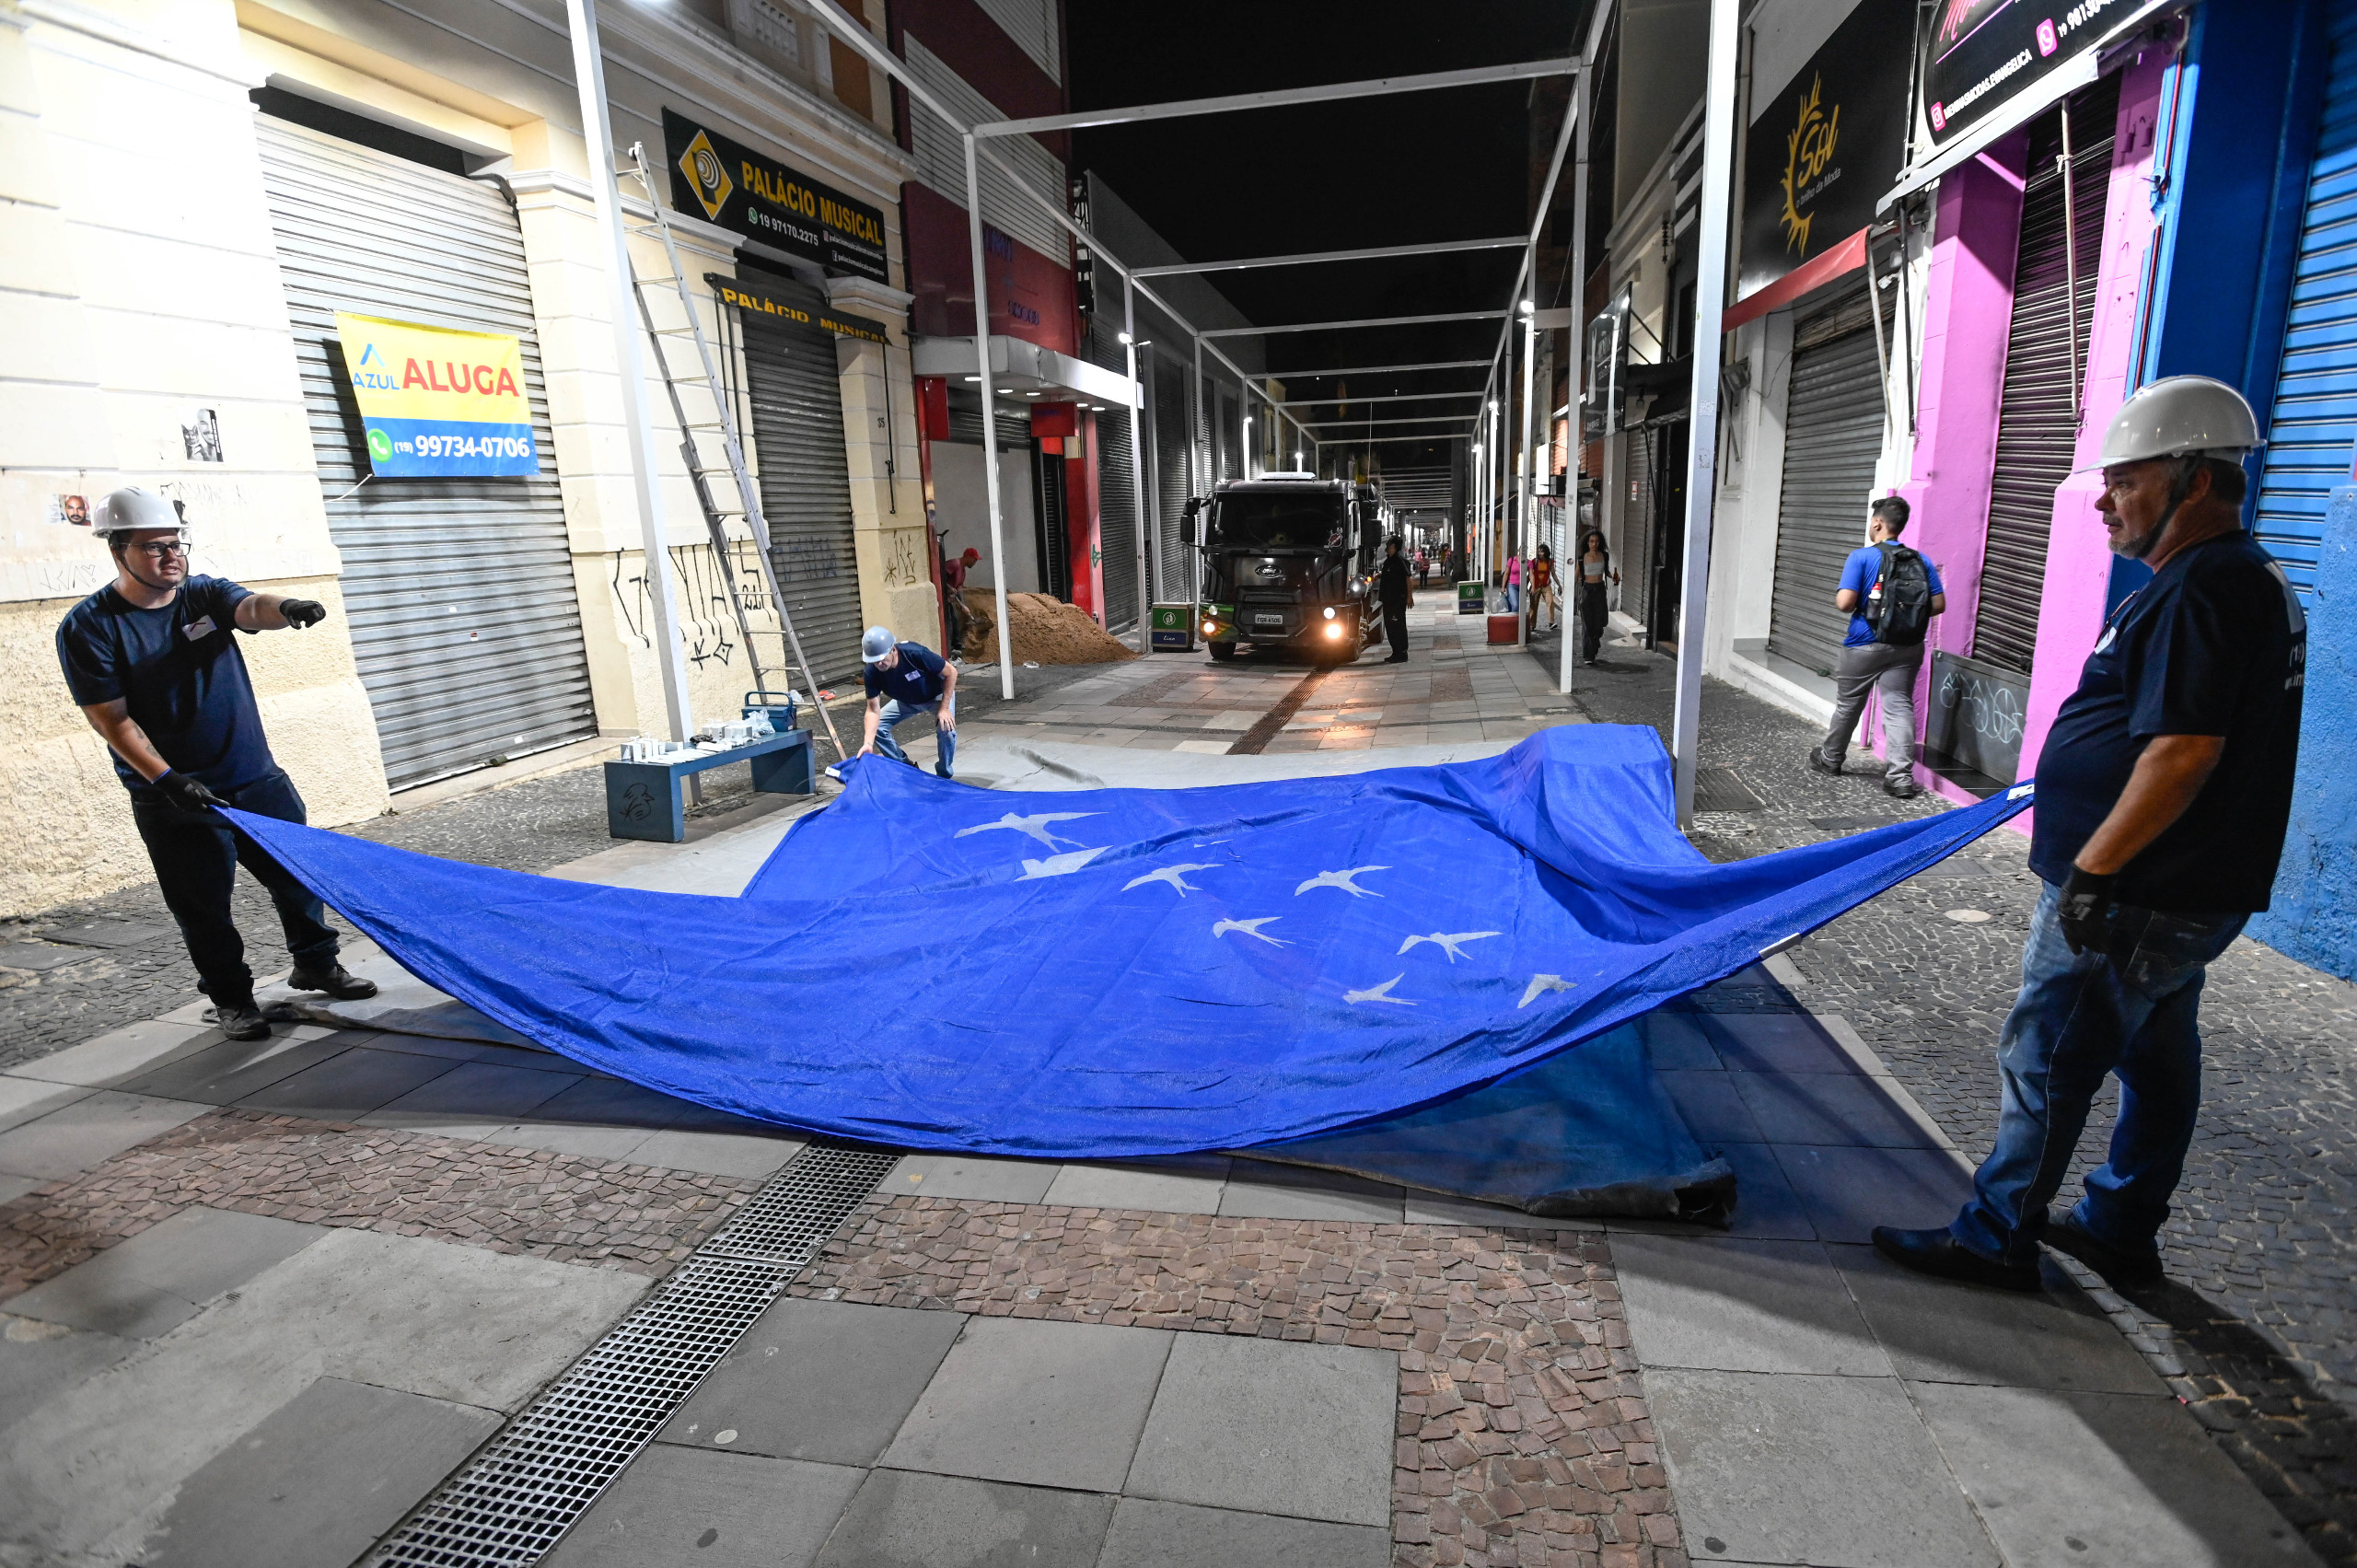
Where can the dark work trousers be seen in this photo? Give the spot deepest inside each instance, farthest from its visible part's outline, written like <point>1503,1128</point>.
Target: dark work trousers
<point>1593,616</point>
<point>1395,627</point>
<point>196,855</point>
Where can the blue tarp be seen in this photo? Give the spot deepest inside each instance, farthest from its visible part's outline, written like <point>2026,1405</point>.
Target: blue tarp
<point>1107,973</point>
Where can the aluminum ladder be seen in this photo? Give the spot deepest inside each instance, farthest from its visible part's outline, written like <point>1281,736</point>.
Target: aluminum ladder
<point>748,506</point>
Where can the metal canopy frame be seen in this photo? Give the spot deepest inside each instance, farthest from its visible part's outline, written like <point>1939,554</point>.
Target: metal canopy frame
<point>1383,369</point>
<point>865,45</point>
<point>1385,398</point>
<point>1302,258</point>
<point>1365,423</point>
<point>1362,321</point>
<point>1280,97</point>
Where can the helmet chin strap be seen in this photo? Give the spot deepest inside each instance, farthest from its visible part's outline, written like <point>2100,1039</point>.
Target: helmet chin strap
<point>2178,490</point>
<point>160,588</point>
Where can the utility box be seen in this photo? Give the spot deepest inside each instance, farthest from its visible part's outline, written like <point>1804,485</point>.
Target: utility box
<point>1469,598</point>
<point>1173,629</point>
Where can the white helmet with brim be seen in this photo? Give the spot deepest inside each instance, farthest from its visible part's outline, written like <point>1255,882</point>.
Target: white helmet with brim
<point>2180,416</point>
<point>134,507</point>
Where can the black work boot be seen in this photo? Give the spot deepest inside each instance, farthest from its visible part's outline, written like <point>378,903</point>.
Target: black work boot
<point>244,1022</point>
<point>2121,1267</point>
<point>1937,1252</point>
<point>336,982</point>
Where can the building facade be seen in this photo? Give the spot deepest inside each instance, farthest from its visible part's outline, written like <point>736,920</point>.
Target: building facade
<point>198,193</point>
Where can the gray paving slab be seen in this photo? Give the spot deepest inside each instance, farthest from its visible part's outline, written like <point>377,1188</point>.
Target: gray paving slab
<point>163,1276</point>
<point>1847,1192</point>
<point>1775,1042</point>
<point>610,1102</point>
<point>1713,1108</point>
<point>104,1062</point>
<point>2107,1480</point>
<point>826,1381</point>
<point>565,1138</point>
<point>1677,1042</point>
<point>972,1175</point>
<point>904,1520</point>
<point>38,1359</point>
<point>1272,1427</point>
<point>1836,1472</point>
<point>1442,1208</point>
<point>1171,1187</point>
<point>457,1323</point>
<point>227,1070</point>
<point>90,1132</point>
<point>1148,1534</point>
<point>710,1508</point>
<point>22,1100</point>
<point>349,1085</point>
<point>1828,1108</point>
<point>1035,1402</point>
<point>1264,1189</point>
<point>317,1481</point>
<point>472,1096</point>
<point>14,1186</point>
<point>1939,1332</point>
<point>720,1154</point>
<point>1738,1306</point>
<point>1765,1207</point>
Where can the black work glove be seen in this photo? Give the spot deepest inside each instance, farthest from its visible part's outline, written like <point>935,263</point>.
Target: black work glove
<point>302,612</point>
<point>2085,910</point>
<point>188,792</point>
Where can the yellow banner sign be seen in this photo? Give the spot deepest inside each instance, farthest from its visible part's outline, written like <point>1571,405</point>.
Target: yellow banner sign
<point>436,403</point>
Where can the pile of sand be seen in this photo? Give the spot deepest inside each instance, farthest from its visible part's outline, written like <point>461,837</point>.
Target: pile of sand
<point>1047,631</point>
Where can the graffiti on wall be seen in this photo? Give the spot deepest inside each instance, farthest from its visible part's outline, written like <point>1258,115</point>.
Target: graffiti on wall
<point>708,632</point>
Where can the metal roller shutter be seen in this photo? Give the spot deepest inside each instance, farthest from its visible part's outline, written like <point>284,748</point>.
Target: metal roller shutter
<point>2314,414</point>
<point>1117,516</point>
<point>1171,450</point>
<point>465,621</point>
<point>795,387</point>
<point>2037,435</point>
<point>1833,429</point>
<point>1636,557</point>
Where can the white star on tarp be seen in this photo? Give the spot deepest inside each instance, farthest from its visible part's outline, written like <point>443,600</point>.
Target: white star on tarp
<point>1063,865</point>
<point>1381,992</point>
<point>1448,941</point>
<point>1342,880</point>
<point>1540,985</point>
<point>1251,928</point>
<point>1174,874</point>
<point>1034,826</point>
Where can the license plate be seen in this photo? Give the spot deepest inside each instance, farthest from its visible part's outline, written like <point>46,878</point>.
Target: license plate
<point>1268,621</point>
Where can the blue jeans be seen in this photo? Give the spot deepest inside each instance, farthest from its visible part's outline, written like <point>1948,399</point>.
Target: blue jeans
<point>196,855</point>
<point>2078,1018</point>
<point>895,712</point>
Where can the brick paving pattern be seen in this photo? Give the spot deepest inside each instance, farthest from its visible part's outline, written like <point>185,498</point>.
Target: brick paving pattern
<point>1523,1436</point>
<point>567,1208</point>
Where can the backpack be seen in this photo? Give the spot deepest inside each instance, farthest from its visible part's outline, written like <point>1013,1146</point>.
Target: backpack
<point>1899,606</point>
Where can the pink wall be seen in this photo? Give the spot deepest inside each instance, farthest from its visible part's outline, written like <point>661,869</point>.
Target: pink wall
<point>1968,314</point>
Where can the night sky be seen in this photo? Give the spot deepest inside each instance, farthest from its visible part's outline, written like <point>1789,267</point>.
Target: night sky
<point>1387,170</point>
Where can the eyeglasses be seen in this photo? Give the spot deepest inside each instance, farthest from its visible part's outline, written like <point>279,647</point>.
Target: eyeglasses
<point>159,548</point>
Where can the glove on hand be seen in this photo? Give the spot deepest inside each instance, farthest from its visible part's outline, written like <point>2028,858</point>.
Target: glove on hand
<point>302,612</point>
<point>188,792</point>
<point>2085,910</point>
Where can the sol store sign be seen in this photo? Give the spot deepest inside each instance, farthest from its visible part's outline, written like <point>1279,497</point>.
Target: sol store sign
<point>437,404</point>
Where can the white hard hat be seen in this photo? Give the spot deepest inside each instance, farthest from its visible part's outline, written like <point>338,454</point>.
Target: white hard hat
<point>2179,416</point>
<point>878,643</point>
<point>132,507</point>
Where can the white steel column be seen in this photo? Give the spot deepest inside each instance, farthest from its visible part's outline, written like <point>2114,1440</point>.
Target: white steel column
<point>1575,452</point>
<point>1701,469</point>
<point>1529,468</point>
<point>1137,469</point>
<point>990,421</point>
<point>589,76</point>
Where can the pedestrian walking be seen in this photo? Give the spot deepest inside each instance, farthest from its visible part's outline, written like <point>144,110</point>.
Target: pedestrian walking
<point>1514,584</point>
<point>1543,588</point>
<point>1424,568</point>
<point>1392,591</point>
<point>1891,593</point>
<point>953,597</point>
<point>153,662</point>
<point>2163,794</point>
<point>1595,570</point>
<point>903,681</point>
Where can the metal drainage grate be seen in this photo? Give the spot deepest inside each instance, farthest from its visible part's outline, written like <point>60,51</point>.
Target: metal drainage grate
<point>512,1501</point>
<point>1720,789</point>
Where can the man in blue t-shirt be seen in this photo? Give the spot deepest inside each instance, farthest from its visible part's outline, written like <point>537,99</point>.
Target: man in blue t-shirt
<point>1870,664</point>
<point>903,681</point>
<point>2164,790</point>
<point>152,661</point>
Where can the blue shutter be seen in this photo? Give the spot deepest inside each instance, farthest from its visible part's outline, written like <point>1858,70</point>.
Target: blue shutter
<point>2311,432</point>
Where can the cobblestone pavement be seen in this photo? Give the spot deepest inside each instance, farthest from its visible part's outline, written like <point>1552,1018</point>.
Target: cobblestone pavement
<point>1521,1431</point>
<point>2257,1328</point>
<point>563,1207</point>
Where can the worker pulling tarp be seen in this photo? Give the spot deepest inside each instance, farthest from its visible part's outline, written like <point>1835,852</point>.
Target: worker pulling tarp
<point>1101,974</point>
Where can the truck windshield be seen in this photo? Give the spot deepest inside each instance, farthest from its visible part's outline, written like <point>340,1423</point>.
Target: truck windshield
<point>1277,522</point>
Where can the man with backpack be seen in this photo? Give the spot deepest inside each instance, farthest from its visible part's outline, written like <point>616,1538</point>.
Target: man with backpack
<point>1891,594</point>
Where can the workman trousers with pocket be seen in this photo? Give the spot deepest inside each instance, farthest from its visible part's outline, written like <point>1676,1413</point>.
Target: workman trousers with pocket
<point>1876,667</point>
<point>896,712</point>
<point>196,855</point>
<point>1395,627</point>
<point>2133,1011</point>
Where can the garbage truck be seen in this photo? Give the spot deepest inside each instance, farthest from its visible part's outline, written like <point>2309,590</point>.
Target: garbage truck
<point>1288,564</point>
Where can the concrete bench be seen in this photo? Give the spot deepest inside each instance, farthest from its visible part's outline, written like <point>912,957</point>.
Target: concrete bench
<point>643,798</point>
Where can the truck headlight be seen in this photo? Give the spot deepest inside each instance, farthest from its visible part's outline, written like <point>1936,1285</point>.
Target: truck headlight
<point>1329,612</point>
<point>1211,626</point>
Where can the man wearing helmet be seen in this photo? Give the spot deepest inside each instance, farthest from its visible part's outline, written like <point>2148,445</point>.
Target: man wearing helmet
<point>152,662</point>
<point>2163,795</point>
<point>903,681</point>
